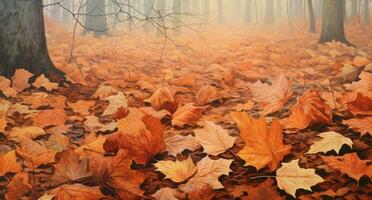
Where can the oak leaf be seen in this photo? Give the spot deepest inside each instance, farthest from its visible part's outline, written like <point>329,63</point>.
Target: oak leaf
<point>44,82</point>
<point>208,172</point>
<point>362,125</point>
<point>81,106</point>
<point>330,141</point>
<point>176,144</point>
<point>18,187</point>
<point>8,163</point>
<point>214,139</point>
<point>178,171</point>
<point>76,191</point>
<point>291,177</point>
<point>272,98</point>
<point>187,115</point>
<point>115,102</point>
<point>264,146</point>
<point>34,154</point>
<point>70,168</point>
<point>349,164</point>
<point>56,117</point>
<point>20,79</point>
<point>31,132</point>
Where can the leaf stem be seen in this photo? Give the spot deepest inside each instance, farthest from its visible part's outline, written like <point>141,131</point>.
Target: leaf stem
<point>268,176</point>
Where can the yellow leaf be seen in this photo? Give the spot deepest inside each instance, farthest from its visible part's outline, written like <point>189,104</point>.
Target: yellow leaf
<point>177,171</point>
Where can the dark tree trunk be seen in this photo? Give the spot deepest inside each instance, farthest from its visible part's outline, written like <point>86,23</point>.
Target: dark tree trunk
<point>248,12</point>
<point>22,39</point>
<point>333,22</point>
<point>95,20</point>
<point>269,12</point>
<point>221,16</point>
<point>312,16</point>
<point>366,11</point>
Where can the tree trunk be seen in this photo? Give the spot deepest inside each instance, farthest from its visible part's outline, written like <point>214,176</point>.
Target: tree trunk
<point>248,10</point>
<point>205,6</point>
<point>237,5</point>
<point>366,12</point>
<point>22,39</point>
<point>95,20</point>
<point>279,8</point>
<point>221,17</point>
<point>269,12</point>
<point>65,14</point>
<point>56,11</point>
<point>312,16</point>
<point>354,8</point>
<point>333,22</point>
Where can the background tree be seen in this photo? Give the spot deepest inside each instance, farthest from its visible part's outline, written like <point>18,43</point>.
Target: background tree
<point>269,12</point>
<point>311,16</point>
<point>221,16</point>
<point>366,11</point>
<point>56,11</point>
<point>22,38</point>
<point>95,20</point>
<point>354,8</point>
<point>248,10</point>
<point>333,22</point>
<point>205,8</point>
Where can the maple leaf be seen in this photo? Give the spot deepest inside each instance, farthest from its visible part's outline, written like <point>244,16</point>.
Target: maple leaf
<point>208,172</point>
<point>34,154</point>
<point>161,97</point>
<point>118,175</point>
<point>362,125</point>
<point>167,194</point>
<point>115,102</point>
<point>20,79</point>
<point>131,124</point>
<point>70,168</point>
<point>141,146</point>
<point>330,141</point>
<point>272,98</point>
<point>291,177</point>
<point>178,171</point>
<point>187,115</point>
<point>3,124</point>
<point>31,132</point>
<point>18,187</point>
<point>264,146</point>
<point>364,85</point>
<point>37,99</point>
<point>76,191</point>
<point>214,139</point>
<point>81,106</point>
<point>206,94</point>
<point>94,146</point>
<point>176,144</point>
<point>46,118</point>
<point>104,91</point>
<point>298,120</point>
<point>8,163</point>
<point>358,104</point>
<point>264,191</point>
<point>44,82</point>
<point>57,142</point>
<point>349,164</point>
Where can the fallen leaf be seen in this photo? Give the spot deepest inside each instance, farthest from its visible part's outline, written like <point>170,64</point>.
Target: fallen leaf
<point>272,98</point>
<point>203,193</point>
<point>187,115</point>
<point>31,132</point>
<point>44,82</point>
<point>298,120</point>
<point>330,141</point>
<point>95,146</point>
<point>362,125</point>
<point>3,124</point>
<point>206,94</point>
<point>8,163</point>
<point>18,187</point>
<point>167,194</point>
<point>291,177</point>
<point>176,144</point>
<point>349,164</point>
<point>161,97</point>
<point>76,191</point>
<point>81,106</point>
<point>37,99</point>
<point>56,117</point>
<point>57,142</point>
<point>20,79</point>
<point>115,102</point>
<point>264,191</point>
<point>208,172</point>
<point>214,139</point>
<point>104,91</point>
<point>364,85</point>
<point>264,146</point>
<point>178,171</point>
<point>246,106</point>
<point>47,196</point>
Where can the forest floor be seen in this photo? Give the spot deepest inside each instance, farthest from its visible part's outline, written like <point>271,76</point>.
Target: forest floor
<point>138,107</point>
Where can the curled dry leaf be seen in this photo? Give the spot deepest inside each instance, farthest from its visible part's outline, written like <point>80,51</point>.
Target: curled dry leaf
<point>291,177</point>
<point>57,142</point>
<point>81,106</point>
<point>76,191</point>
<point>330,141</point>
<point>206,94</point>
<point>361,125</point>
<point>104,91</point>
<point>272,98</point>
<point>31,132</point>
<point>187,115</point>
<point>161,97</point>
<point>93,146</point>
<point>36,99</point>
<point>178,171</point>
<point>358,104</point>
<point>18,187</point>
<point>349,164</point>
<point>44,82</point>
<point>208,172</point>
<point>167,194</point>
<point>34,154</point>
<point>176,144</point>
<point>115,102</point>
<point>264,191</point>
<point>264,146</point>
<point>118,175</point>
<point>20,79</point>
<point>8,163</point>
<point>56,117</point>
<point>364,85</point>
<point>214,139</point>
<point>298,120</point>
<point>70,168</point>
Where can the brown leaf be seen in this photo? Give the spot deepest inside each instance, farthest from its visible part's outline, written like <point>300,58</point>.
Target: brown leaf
<point>76,191</point>
<point>161,97</point>
<point>358,104</point>
<point>44,82</point>
<point>46,118</point>
<point>264,191</point>
<point>81,106</point>
<point>362,125</point>
<point>20,79</point>
<point>206,94</point>
<point>8,163</point>
<point>18,187</point>
<point>187,115</point>
<point>349,164</point>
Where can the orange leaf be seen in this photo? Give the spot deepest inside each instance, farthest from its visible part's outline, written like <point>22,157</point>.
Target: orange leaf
<point>160,97</point>
<point>264,146</point>
<point>187,115</point>
<point>8,163</point>
<point>206,94</point>
<point>76,191</point>
<point>46,118</point>
<point>362,125</point>
<point>81,106</point>
<point>18,187</point>
<point>44,82</point>
<point>20,79</point>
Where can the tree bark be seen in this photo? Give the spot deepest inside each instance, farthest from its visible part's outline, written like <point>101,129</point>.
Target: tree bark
<point>22,39</point>
<point>312,16</point>
<point>269,12</point>
<point>95,20</point>
<point>221,16</point>
<point>333,22</point>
